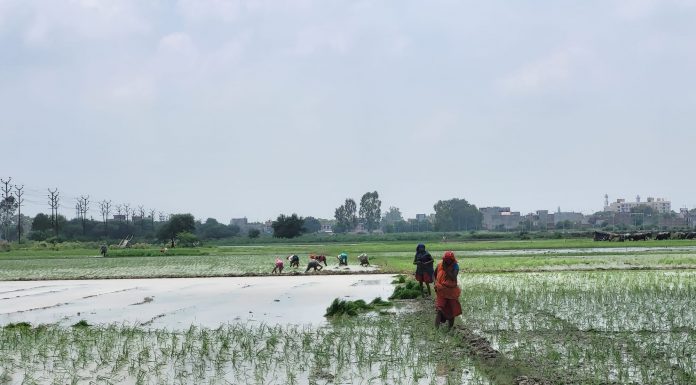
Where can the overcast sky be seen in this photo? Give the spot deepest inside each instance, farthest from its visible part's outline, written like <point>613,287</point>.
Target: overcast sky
<point>230,108</point>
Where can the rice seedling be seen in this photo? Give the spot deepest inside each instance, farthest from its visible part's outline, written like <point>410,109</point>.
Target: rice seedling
<point>590,328</point>
<point>355,350</point>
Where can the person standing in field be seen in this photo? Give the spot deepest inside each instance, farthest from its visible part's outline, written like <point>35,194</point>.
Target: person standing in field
<point>447,291</point>
<point>278,266</point>
<point>424,268</point>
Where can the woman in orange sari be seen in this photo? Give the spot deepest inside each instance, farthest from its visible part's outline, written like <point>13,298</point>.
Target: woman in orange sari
<point>446,290</point>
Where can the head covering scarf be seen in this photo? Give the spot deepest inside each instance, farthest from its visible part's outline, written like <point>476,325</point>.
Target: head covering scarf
<point>449,257</point>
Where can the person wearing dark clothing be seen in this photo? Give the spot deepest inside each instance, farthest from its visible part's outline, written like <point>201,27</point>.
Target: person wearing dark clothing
<point>103,250</point>
<point>294,260</point>
<point>424,267</point>
<point>364,260</point>
<point>313,264</point>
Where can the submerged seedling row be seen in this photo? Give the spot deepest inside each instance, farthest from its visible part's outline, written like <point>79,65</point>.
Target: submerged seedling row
<point>375,350</point>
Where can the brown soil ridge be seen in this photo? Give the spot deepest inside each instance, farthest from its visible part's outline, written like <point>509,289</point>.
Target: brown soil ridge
<point>499,369</point>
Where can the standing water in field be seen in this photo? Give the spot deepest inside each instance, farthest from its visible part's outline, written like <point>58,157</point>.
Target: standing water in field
<point>179,303</point>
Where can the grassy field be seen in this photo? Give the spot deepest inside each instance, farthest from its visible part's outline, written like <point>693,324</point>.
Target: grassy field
<point>391,257</point>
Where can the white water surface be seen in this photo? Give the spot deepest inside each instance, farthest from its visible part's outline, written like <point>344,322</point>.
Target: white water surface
<point>177,303</point>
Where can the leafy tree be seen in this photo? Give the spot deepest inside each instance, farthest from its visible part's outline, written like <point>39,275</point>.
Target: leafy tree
<point>288,226</point>
<point>457,214</point>
<point>370,210</point>
<point>346,218</point>
<point>311,225</point>
<point>187,239</point>
<point>254,233</point>
<point>8,206</point>
<point>178,223</point>
<point>212,229</point>
<point>41,222</point>
<point>393,215</point>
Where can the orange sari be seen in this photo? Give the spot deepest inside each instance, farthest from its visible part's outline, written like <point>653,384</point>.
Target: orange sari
<point>447,292</point>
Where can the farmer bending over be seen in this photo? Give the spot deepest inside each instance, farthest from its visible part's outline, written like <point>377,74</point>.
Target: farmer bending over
<point>364,260</point>
<point>446,290</point>
<point>313,264</point>
<point>278,266</point>
<point>342,259</point>
<point>424,267</point>
<point>294,260</point>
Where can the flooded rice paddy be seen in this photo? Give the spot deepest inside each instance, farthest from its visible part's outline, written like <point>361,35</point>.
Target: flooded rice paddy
<point>179,303</point>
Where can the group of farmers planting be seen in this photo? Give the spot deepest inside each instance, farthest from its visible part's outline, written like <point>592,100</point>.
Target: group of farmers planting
<point>443,276</point>
<point>315,262</point>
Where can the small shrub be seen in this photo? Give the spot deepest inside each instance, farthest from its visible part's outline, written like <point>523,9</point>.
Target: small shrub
<point>5,246</point>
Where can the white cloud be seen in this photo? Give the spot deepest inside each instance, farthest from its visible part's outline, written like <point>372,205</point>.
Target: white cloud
<point>640,9</point>
<point>226,10</point>
<point>548,72</point>
<point>177,43</point>
<point>323,38</point>
<point>82,20</point>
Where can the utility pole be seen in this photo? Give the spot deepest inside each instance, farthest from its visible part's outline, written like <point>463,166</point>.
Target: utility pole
<point>7,206</point>
<point>54,202</point>
<point>83,203</point>
<point>152,218</point>
<point>19,193</point>
<point>105,209</point>
<point>141,212</point>
<point>127,209</point>
<point>119,210</point>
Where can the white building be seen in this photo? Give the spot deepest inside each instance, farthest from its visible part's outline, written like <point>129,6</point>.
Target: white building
<point>659,205</point>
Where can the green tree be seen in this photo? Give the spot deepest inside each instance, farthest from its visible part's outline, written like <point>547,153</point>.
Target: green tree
<point>254,233</point>
<point>187,239</point>
<point>178,223</point>
<point>8,206</point>
<point>393,215</point>
<point>41,222</point>
<point>212,229</point>
<point>311,225</point>
<point>457,214</point>
<point>370,210</point>
<point>288,226</point>
<point>346,218</point>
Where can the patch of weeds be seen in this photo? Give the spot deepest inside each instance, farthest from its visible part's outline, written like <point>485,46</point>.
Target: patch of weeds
<point>409,290</point>
<point>81,324</point>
